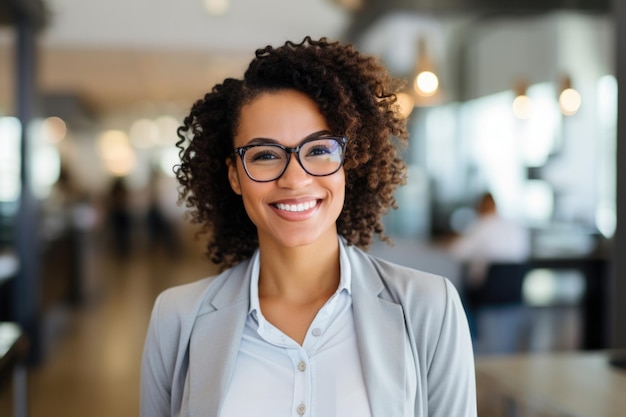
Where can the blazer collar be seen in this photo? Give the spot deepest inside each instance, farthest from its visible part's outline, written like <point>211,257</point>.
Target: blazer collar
<point>379,325</point>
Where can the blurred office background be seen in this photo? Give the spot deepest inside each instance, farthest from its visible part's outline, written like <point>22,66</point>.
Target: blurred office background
<point>518,98</point>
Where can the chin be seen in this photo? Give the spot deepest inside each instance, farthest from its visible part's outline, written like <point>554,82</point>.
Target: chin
<point>302,238</point>
<point>298,242</point>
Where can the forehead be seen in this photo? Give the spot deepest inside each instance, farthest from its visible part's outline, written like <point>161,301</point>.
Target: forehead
<point>287,116</point>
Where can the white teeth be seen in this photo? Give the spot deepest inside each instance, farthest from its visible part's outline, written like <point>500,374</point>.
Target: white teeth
<point>296,207</point>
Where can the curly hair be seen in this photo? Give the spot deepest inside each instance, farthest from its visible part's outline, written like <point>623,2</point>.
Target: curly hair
<point>354,93</point>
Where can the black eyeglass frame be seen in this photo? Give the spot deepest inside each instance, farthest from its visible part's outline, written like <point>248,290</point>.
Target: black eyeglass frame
<point>241,151</point>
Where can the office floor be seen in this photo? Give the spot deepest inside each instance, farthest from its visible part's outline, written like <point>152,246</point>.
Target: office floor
<point>91,367</point>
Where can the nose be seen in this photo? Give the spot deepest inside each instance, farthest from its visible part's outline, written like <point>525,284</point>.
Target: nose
<point>294,176</point>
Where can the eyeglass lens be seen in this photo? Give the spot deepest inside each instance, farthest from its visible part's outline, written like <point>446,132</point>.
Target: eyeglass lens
<point>318,157</point>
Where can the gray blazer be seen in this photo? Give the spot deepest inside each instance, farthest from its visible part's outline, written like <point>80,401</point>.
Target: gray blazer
<point>195,330</point>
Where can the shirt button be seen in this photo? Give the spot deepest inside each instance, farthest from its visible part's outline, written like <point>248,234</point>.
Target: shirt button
<point>302,366</point>
<point>316,332</point>
<point>301,409</point>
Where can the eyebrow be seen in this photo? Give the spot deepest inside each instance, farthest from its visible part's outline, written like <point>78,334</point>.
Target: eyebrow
<point>262,141</point>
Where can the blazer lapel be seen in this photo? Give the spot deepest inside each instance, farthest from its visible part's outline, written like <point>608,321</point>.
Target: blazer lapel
<point>215,341</point>
<point>379,325</point>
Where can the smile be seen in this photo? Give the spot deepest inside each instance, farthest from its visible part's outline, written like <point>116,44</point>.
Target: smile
<point>296,208</point>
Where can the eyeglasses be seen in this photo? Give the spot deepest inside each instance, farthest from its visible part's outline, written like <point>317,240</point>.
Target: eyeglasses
<point>319,156</point>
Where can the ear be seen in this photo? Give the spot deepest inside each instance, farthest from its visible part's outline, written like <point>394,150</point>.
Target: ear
<point>233,175</point>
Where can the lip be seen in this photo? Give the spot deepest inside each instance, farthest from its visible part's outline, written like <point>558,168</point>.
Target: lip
<point>296,209</point>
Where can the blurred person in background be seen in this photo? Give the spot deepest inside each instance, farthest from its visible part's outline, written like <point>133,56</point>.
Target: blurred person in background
<point>289,170</point>
<point>492,239</point>
<point>119,219</point>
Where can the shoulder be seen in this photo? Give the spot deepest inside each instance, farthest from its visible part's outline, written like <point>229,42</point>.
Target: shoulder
<point>183,299</point>
<point>402,284</point>
<point>175,314</point>
<point>430,303</point>
<point>419,292</point>
<point>181,304</point>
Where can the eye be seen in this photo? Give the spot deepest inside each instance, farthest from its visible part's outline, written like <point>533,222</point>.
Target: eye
<point>318,150</point>
<point>321,147</point>
<point>262,154</point>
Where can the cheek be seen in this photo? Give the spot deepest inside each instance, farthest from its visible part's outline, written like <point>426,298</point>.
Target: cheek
<point>339,187</point>
<point>252,194</point>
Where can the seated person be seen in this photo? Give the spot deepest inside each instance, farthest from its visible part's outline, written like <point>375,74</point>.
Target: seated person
<point>491,238</point>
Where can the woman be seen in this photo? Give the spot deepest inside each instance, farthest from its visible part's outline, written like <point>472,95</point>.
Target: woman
<point>290,170</point>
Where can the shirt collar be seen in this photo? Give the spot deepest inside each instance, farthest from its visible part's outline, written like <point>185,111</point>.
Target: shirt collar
<point>345,277</point>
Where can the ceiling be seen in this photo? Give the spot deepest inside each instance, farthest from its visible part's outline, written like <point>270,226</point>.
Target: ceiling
<point>118,54</point>
<point>115,55</point>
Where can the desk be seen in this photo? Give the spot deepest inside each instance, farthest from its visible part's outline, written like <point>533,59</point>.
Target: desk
<point>13,350</point>
<point>505,281</point>
<point>569,384</point>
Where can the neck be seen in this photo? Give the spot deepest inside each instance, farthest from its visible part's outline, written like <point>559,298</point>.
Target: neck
<point>300,273</point>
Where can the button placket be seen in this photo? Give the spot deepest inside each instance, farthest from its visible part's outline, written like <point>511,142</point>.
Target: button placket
<point>303,376</point>
<point>302,381</point>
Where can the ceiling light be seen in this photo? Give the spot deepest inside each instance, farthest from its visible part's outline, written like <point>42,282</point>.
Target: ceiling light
<point>426,81</point>
<point>216,7</point>
<point>144,133</point>
<point>569,98</point>
<point>522,107</point>
<point>522,104</point>
<point>116,153</point>
<point>54,129</point>
<point>569,101</point>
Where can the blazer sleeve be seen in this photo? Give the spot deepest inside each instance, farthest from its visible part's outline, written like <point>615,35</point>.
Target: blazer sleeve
<point>156,378</point>
<point>451,375</point>
<point>165,355</point>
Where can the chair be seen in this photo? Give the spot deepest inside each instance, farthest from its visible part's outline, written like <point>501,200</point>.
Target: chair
<point>502,286</point>
<point>499,300</point>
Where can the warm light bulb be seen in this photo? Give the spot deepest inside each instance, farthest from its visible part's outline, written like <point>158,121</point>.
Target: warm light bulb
<point>55,129</point>
<point>216,7</point>
<point>115,150</point>
<point>144,133</point>
<point>426,83</point>
<point>569,101</point>
<point>522,107</point>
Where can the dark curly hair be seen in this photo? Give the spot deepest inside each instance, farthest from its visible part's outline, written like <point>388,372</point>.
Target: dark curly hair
<point>357,97</point>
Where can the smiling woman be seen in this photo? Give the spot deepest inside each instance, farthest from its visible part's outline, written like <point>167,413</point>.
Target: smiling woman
<point>289,171</point>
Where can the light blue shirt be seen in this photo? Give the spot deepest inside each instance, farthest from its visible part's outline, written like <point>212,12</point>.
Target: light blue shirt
<point>275,376</point>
